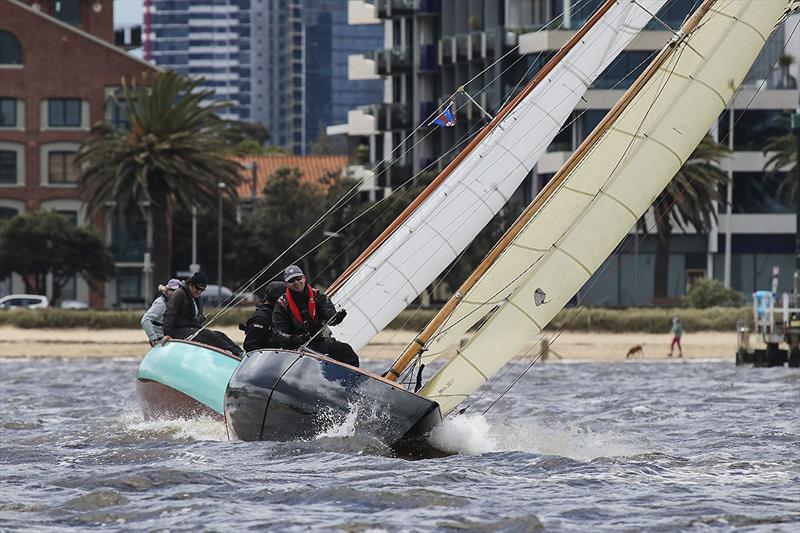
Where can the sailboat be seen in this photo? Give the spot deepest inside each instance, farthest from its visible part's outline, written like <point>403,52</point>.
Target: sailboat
<point>546,256</point>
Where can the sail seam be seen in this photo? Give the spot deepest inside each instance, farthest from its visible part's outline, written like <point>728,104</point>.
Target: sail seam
<point>530,248</point>
<point>699,81</point>
<point>524,312</point>
<point>365,315</point>
<point>620,202</point>
<point>742,22</point>
<point>578,261</point>
<point>645,137</point>
<point>397,269</point>
<point>473,365</point>
<point>444,239</point>
<point>577,191</point>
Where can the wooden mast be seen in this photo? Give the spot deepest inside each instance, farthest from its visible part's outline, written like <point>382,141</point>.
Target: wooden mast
<point>425,335</point>
<point>408,211</point>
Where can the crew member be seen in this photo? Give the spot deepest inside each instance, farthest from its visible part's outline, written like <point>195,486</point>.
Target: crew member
<point>258,330</point>
<point>153,319</point>
<point>302,316</point>
<point>183,316</point>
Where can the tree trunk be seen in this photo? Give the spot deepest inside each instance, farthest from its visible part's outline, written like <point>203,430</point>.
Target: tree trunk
<point>162,251</point>
<point>661,275</point>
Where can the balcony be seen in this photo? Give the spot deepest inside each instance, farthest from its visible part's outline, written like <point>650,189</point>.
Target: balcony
<point>477,46</point>
<point>428,60</point>
<point>361,12</point>
<point>462,47</point>
<point>393,62</point>
<point>360,67</point>
<point>447,50</point>
<point>394,8</point>
<point>363,121</point>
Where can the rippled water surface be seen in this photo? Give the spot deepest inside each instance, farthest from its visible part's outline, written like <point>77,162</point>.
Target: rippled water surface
<point>580,447</point>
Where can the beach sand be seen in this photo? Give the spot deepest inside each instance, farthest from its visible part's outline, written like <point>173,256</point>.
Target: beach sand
<point>571,346</point>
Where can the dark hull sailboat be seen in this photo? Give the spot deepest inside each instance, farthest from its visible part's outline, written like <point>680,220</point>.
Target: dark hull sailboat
<point>288,395</point>
<point>281,395</point>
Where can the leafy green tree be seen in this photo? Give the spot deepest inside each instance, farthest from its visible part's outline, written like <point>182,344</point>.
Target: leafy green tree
<point>781,155</point>
<point>45,242</point>
<point>687,200</point>
<point>705,293</point>
<point>174,156</point>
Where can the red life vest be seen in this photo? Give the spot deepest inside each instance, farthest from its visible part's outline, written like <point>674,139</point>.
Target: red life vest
<point>312,305</point>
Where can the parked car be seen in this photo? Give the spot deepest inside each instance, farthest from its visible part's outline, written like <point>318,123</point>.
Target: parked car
<point>212,296</point>
<point>24,301</point>
<point>74,304</point>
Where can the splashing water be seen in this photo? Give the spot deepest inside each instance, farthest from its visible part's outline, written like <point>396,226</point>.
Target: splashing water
<point>473,434</point>
<point>202,428</point>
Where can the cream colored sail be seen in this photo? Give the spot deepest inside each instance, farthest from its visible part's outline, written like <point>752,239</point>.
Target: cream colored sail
<point>600,194</point>
<point>478,184</point>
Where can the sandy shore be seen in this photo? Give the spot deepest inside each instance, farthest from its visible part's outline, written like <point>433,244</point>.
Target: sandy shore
<point>16,342</point>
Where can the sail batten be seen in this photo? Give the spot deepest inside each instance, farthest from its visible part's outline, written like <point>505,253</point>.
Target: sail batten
<point>432,232</point>
<point>624,164</point>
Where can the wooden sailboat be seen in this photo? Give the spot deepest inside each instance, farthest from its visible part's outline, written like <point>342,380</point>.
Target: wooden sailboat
<point>566,233</point>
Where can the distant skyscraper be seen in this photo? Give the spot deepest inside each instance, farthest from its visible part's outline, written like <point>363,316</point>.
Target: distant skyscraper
<point>204,38</point>
<point>299,66</point>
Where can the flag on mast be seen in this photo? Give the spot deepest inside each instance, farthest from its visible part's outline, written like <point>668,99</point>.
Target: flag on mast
<point>446,118</point>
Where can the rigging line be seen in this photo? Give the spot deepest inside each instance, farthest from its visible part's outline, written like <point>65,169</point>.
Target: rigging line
<point>604,272</point>
<point>239,295</point>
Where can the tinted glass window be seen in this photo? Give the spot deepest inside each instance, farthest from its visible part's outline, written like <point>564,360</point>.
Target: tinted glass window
<point>752,128</point>
<point>10,50</point>
<point>64,113</point>
<point>8,113</point>
<point>8,166</point>
<point>68,11</point>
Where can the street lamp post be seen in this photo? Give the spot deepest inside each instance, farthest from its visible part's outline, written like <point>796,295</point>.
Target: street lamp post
<point>220,186</point>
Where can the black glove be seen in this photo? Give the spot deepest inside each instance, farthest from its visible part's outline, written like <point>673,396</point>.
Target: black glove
<point>338,317</point>
<point>299,340</point>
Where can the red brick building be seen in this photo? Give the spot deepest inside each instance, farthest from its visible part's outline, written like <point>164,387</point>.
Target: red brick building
<point>58,68</point>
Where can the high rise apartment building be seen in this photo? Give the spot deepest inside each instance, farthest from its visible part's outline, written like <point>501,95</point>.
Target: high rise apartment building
<point>208,39</point>
<point>431,47</point>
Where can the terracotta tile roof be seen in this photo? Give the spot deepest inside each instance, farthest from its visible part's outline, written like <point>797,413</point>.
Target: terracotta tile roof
<point>313,167</point>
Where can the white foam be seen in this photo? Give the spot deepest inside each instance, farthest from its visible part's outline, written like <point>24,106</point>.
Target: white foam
<point>201,428</point>
<point>471,434</point>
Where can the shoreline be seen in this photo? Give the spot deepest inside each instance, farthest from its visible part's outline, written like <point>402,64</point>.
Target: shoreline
<point>569,346</point>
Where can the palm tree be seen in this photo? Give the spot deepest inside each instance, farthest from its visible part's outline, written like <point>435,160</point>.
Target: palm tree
<point>782,157</point>
<point>687,200</point>
<point>174,157</point>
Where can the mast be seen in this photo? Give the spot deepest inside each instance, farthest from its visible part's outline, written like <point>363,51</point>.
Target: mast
<point>504,111</point>
<point>419,343</point>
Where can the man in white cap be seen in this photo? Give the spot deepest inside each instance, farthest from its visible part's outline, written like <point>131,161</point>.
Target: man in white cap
<point>302,315</point>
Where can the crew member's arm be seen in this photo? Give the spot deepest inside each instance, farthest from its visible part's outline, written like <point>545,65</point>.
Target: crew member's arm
<point>171,313</point>
<point>327,311</point>
<point>282,326</point>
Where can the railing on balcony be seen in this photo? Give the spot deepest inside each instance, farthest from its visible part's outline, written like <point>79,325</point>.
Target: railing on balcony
<point>462,47</point>
<point>427,57</point>
<point>394,61</point>
<point>448,45</point>
<point>394,8</point>
<point>477,46</point>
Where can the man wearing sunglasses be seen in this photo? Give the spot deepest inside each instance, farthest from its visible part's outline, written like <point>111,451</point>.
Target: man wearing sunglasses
<point>184,317</point>
<point>302,315</point>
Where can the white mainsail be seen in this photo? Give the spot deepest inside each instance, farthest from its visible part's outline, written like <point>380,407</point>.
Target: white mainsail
<point>600,193</point>
<point>441,227</point>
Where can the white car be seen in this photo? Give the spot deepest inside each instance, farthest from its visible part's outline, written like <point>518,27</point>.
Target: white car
<point>74,304</point>
<point>24,301</point>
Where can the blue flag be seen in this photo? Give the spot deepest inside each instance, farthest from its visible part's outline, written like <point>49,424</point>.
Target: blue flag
<point>446,118</point>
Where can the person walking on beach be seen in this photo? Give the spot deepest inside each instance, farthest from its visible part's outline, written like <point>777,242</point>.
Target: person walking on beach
<point>677,332</point>
<point>153,319</point>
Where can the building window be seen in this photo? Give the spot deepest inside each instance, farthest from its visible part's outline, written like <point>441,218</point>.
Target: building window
<point>64,113</point>
<point>129,288</point>
<point>69,214</point>
<point>8,167</point>
<point>61,167</point>
<point>754,127</point>
<point>69,11</point>
<point>115,110</point>
<point>8,113</point>
<point>10,49</point>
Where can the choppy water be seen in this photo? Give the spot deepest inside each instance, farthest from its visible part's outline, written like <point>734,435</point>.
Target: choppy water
<point>579,447</point>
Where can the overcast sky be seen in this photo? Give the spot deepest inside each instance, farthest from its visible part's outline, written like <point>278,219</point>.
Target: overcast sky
<point>127,12</point>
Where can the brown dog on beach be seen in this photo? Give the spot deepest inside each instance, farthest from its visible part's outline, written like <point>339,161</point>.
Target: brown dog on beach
<point>635,351</point>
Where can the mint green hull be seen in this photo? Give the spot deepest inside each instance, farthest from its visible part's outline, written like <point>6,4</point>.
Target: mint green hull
<point>194,370</point>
